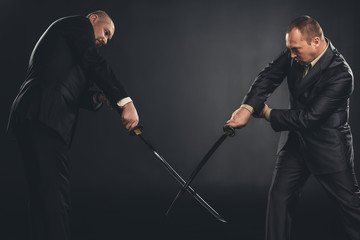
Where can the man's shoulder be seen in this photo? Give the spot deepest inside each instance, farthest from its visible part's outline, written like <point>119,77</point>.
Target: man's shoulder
<point>75,19</point>
<point>334,60</point>
<point>72,26</point>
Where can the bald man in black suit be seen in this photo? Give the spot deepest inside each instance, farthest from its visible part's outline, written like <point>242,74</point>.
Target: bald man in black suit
<point>63,66</point>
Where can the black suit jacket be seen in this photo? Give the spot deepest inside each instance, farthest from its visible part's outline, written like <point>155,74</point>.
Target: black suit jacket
<point>319,108</point>
<point>64,64</point>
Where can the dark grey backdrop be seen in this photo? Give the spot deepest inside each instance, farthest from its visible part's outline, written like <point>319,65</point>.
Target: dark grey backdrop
<point>187,65</point>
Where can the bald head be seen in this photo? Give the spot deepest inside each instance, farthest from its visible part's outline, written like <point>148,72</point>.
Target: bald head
<point>103,26</point>
<point>103,16</point>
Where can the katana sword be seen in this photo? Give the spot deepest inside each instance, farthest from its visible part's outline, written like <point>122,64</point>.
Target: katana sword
<point>138,131</point>
<point>228,131</point>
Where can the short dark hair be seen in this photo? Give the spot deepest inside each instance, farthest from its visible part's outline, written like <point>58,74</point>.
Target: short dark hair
<point>102,15</point>
<point>308,27</point>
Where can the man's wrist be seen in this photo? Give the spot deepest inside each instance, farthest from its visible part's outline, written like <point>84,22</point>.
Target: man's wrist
<point>123,102</point>
<point>267,114</point>
<point>247,107</point>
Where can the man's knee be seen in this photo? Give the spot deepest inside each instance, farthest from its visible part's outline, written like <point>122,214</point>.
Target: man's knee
<point>279,196</point>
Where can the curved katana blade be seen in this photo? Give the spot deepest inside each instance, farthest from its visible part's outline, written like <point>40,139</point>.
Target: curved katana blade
<point>137,131</point>
<point>228,131</point>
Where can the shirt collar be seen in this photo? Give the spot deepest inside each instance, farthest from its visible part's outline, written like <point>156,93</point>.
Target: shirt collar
<point>318,58</point>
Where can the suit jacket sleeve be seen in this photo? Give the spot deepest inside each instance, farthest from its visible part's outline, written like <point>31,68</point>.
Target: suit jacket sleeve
<point>336,92</point>
<point>87,101</point>
<point>267,81</point>
<point>81,39</point>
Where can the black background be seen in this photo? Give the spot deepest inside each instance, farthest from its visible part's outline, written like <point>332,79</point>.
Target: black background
<point>187,65</point>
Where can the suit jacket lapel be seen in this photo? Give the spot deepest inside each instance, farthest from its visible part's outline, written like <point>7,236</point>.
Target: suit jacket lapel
<point>313,75</point>
<point>294,79</point>
<point>309,80</point>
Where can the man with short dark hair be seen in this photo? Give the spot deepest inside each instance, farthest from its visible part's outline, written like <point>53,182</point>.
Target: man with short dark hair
<point>316,137</point>
<point>63,67</point>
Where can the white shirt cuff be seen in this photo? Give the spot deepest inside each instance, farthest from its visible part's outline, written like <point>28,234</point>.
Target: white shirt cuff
<point>124,101</point>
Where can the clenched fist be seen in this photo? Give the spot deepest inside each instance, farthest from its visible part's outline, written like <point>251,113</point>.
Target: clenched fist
<point>129,116</point>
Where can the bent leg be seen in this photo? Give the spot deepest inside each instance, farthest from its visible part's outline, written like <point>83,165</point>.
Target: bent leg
<point>344,188</point>
<point>289,177</point>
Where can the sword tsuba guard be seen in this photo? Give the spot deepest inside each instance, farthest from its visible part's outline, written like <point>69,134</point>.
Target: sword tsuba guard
<point>136,130</point>
<point>230,131</point>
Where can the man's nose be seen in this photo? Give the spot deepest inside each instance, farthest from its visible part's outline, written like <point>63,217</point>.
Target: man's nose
<point>104,40</point>
<point>293,55</point>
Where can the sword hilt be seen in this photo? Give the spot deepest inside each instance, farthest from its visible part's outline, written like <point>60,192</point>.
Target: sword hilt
<point>229,131</point>
<point>136,130</point>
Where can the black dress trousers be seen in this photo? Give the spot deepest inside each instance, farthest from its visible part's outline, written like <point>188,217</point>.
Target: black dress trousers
<point>289,177</point>
<point>46,164</point>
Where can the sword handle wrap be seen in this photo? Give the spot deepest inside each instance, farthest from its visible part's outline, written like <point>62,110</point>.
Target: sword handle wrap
<point>229,131</point>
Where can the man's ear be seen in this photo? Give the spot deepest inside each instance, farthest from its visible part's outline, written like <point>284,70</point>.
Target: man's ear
<point>93,18</point>
<point>316,41</point>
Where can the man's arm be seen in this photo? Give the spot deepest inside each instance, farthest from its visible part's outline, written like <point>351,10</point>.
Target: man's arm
<point>80,37</point>
<point>128,109</point>
<point>90,101</point>
<point>265,83</point>
<point>332,96</point>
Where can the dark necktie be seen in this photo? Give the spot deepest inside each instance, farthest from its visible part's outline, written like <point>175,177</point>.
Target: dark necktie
<point>306,70</point>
